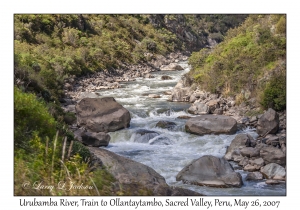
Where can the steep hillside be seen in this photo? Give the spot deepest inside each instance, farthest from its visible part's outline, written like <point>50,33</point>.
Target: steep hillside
<point>249,63</point>
<point>50,48</point>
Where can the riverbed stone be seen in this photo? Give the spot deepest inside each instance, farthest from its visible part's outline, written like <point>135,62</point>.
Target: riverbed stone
<point>166,77</point>
<point>271,170</point>
<point>166,125</point>
<point>198,108</point>
<point>171,67</point>
<point>268,123</point>
<point>95,139</point>
<point>102,114</point>
<point>144,136</point>
<point>272,154</point>
<point>256,175</point>
<point>211,124</point>
<point>250,152</point>
<point>210,171</point>
<point>135,177</point>
<point>237,144</point>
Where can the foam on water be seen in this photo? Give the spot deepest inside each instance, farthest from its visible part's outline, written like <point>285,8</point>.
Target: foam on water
<point>183,147</point>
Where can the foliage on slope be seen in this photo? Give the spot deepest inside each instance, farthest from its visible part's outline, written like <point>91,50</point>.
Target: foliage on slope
<point>45,156</point>
<point>251,58</point>
<point>49,48</point>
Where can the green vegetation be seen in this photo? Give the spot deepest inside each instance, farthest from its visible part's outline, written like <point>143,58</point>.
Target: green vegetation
<point>46,154</point>
<point>247,60</point>
<point>274,94</point>
<point>49,49</point>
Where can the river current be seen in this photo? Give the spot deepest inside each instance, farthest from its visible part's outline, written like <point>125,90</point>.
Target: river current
<point>182,147</point>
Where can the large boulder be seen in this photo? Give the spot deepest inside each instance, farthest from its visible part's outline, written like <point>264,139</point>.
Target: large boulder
<point>211,124</point>
<point>198,108</point>
<point>268,123</point>
<point>133,176</point>
<point>171,67</point>
<point>95,139</point>
<point>102,114</point>
<point>238,143</point>
<point>273,170</point>
<point>272,154</point>
<point>210,171</point>
<point>180,94</point>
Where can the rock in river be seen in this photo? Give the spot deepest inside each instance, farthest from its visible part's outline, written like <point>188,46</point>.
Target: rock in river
<point>210,171</point>
<point>143,135</point>
<point>95,139</point>
<point>134,176</point>
<point>102,114</point>
<point>171,67</point>
<point>211,124</point>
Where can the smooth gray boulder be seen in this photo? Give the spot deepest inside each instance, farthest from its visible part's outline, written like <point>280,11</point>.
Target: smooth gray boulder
<point>102,114</point>
<point>95,139</point>
<point>273,170</point>
<point>268,123</point>
<point>254,176</point>
<point>210,171</point>
<point>171,67</point>
<point>211,124</point>
<point>133,176</point>
<point>238,143</point>
<point>198,108</point>
<point>272,154</point>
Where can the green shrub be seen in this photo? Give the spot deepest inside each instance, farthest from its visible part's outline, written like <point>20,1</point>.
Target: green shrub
<point>30,115</point>
<point>274,95</point>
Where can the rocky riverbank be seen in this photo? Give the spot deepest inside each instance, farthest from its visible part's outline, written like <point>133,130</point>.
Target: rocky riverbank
<point>96,117</point>
<point>264,157</point>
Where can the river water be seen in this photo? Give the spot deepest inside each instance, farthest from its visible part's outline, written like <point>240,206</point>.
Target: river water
<point>182,147</point>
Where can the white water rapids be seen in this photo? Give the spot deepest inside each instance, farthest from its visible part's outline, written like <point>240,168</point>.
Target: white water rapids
<point>168,160</point>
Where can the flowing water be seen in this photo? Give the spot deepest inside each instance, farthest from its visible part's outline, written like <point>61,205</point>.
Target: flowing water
<point>181,147</point>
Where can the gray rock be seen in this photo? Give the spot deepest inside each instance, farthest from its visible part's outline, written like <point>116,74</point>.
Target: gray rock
<point>268,123</point>
<point>254,176</point>
<point>171,67</point>
<point>143,135</point>
<point>180,94</point>
<point>95,139</point>
<point>153,96</point>
<point>271,170</point>
<point>210,171</point>
<point>257,162</point>
<point>237,144</point>
<point>166,77</point>
<point>198,108</point>
<point>102,114</point>
<point>127,171</point>
<point>251,168</point>
<point>211,124</point>
<point>250,152</point>
<point>166,125</point>
<point>244,161</point>
<point>272,154</point>
<point>218,111</point>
